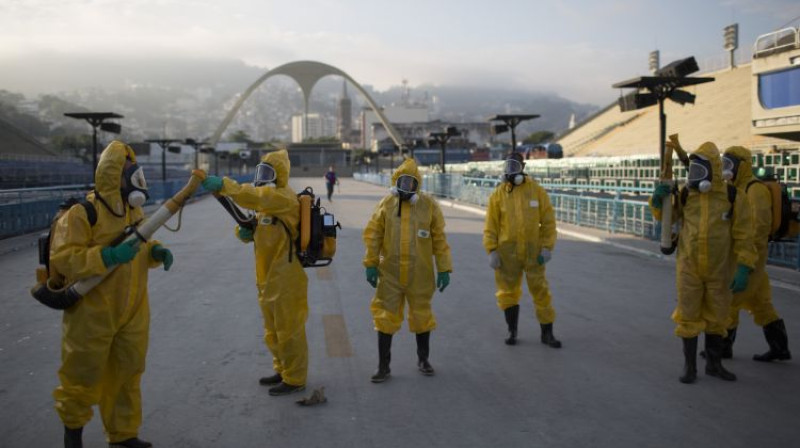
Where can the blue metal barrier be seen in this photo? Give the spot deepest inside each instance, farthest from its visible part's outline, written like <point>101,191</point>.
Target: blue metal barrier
<point>574,204</point>
<point>30,209</point>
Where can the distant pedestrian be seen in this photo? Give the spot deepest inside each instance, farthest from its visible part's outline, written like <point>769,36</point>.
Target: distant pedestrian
<point>330,181</point>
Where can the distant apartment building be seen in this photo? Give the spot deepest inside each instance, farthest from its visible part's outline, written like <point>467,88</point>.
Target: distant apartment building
<point>316,127</point>
<point>372,131</point>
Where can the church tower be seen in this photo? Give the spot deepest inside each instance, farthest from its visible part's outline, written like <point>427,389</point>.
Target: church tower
<point>345,116</point>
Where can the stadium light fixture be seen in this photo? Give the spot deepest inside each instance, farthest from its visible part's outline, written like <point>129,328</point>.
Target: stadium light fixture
<point>164,143</point>
<point>96,119</point>
<point>510,121</point>
<point>441,139</point>
<point>665,84</point>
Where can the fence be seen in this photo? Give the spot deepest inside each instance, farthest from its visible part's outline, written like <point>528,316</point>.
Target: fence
<point>615,211</point>
<point>31,209</point>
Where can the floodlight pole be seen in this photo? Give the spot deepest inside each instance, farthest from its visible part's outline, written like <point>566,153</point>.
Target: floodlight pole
<point>95,119</point>
<point>163,143</point>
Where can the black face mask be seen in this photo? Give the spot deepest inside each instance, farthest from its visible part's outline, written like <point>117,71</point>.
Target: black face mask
<point>730,167</point>
<point>700,175</point>
<point>134,188</point>
<point>406,187</point>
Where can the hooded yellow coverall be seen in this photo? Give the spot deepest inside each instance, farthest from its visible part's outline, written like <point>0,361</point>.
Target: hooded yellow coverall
<point>711,243</point>
<point>105,335</point>
<point>520,222</point>
<point>282,284</point>
<point>403,248</point>
<point>757,298</point>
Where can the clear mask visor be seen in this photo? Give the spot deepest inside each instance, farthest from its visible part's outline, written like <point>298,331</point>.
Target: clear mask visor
<point>407,184</point>
<point>512,167</point>
<point>265,174</point>
<point>698,171</point>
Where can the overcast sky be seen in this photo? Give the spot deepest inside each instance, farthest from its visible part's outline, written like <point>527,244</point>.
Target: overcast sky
<point>576,49</point>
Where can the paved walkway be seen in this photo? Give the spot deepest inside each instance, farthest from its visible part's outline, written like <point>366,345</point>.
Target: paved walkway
<point>614,384</point>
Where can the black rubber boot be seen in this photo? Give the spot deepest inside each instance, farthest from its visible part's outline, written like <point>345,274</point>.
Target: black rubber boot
<point>690,361</point>
<point>270,380</point>
<point>727,345</point>
<point>512,318</point>
<point>423,350</point>
<point>73,438</point>
<point>714,358</point>
<point>778,340</point>
<point>285,389</point>
<point>548,338</point>
<point>133,442</point>
<point>384,358</point>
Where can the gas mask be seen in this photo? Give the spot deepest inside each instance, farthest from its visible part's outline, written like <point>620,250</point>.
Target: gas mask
<point>134,186</point>
<point>265,175</point>
<point>699,177</point>
<point>730,167</point>
<point>512,170</point>
<point>406,187</point>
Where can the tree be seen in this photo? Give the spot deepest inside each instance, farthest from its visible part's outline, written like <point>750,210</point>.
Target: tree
<point>241,136</point>
<point>539,137</point>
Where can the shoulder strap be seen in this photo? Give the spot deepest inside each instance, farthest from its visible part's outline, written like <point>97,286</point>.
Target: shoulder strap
<point>684,195</point>
<point>91,212</point>
<point>731,194</point>
<point>754,181</point>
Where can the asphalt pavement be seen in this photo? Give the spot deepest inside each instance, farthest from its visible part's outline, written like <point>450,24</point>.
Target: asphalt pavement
<point>613,384</point>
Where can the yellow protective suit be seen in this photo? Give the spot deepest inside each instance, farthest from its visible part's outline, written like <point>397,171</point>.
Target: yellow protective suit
<point>282,284</point>
<point>520,222</point>
<point>710,246</point>
<point>105,335</point>
<point>757,298</point>
<point>403,248</point>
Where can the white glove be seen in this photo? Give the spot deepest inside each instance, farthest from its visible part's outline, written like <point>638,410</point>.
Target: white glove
<point>494,260</point>
<point>544,256</point>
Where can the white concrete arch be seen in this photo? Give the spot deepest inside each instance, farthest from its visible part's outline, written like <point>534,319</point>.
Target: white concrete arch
<point>306,74</point>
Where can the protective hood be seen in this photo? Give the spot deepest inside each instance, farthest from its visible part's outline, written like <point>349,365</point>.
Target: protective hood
<point>109,173</point>
<point>408,167</point>
<point>744,174</point>
<point>280,162</point>
<point>710,152</point>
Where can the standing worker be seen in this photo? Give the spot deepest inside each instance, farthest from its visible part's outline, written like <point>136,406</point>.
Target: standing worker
<point>737,165</point>
<point>404,235</point>
<point>105,334</point>
<point>714,236</point>
<point>280,278</point>
<point>330,181</point>
<point>519,235</point>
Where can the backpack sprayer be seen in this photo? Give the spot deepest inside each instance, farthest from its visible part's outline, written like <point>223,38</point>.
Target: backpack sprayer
<point>65,297</point>
<point>315,245</point>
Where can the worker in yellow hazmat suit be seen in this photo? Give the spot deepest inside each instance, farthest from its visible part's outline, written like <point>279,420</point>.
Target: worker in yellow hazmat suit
<point>280,278</point>
<point>403,236</point>
<point>105,335</point>
<point>757,298</point>
<point>519,235</point>
<point>715,235</point>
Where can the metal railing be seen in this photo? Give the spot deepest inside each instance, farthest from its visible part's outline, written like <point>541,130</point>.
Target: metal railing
<point>580,205</point>
<point>30,209</point>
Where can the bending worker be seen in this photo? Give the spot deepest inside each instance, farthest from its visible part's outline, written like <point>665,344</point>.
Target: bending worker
<point>404,235</point>
<point>519,235</point>
<point>737,165</point>
<point>714,236</point>
<point>105,334</point>
<point>280,278</point>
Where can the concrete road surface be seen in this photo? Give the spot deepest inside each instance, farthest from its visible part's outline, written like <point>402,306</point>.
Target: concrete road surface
<point>614,384</point>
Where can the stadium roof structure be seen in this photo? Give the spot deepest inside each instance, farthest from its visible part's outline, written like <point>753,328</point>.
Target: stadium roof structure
<point>14,141</point>
<point>721,114</point>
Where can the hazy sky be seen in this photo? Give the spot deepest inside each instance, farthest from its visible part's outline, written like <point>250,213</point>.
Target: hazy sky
<point>576,49</point>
